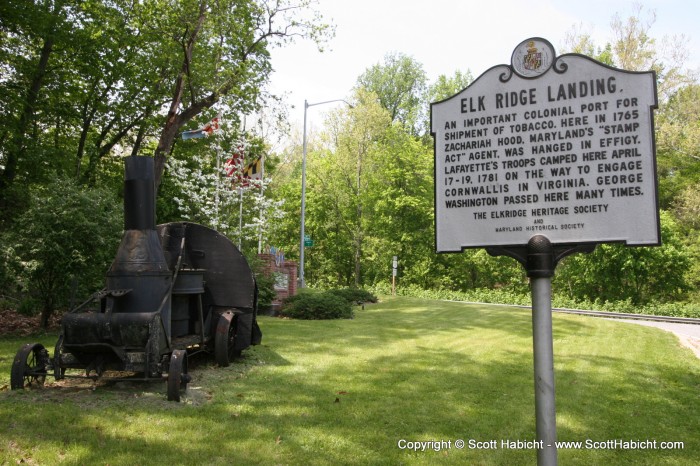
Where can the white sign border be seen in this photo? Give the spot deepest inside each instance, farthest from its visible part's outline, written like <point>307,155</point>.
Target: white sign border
<point>558,65</point>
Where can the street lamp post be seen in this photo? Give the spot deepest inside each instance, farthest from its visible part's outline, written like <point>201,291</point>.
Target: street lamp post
<point>302,282</point>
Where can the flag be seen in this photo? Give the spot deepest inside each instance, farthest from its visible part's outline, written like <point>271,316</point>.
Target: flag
<point>204,131</point>
<point>234,165</point>
<point>253,170</point>
<point>237,171</point>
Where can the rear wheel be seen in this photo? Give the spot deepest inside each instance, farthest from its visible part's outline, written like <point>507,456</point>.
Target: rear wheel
<point>225,339</point>
<point>177,375</point>
<point>29,366</point>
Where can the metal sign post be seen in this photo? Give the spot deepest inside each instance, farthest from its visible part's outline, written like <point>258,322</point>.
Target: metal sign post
<point>540,258</point>
<point>543,352</point>
<point>395,264</point>
<point>540,268</point>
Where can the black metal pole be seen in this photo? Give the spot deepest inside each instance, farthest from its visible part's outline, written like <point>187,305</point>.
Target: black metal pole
<point>540,268</point>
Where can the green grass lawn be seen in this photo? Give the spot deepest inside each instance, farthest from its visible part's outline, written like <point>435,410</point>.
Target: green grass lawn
<point>348,392</point>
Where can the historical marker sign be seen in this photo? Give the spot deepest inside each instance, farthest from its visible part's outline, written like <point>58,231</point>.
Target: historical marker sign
<point>555,146</point>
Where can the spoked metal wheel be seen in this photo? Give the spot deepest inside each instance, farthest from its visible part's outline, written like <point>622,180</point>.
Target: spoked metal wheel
<point>178,377</point>
<point>225,339</point>
<point>29,366</point>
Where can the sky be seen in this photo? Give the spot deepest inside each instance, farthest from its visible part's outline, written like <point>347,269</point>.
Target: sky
<point>449,35</point>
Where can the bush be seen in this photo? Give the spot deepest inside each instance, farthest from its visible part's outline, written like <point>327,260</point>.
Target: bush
<point>355,295</point>
<point>317,305</point>
<point>62,244</point>
<point>266,291</point>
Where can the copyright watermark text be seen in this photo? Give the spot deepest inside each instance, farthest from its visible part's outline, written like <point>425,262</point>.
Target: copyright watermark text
<point>504,444</point>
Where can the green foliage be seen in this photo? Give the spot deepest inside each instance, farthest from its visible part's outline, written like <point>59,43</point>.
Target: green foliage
<point>400,85</point>
<point>317,305</point>
<point>617,273</point>
<point>85,80</point>
<point>477,295</point>
<point>266,290</point>
<point>355,295</point>
<point>678,149</point>
<point>63,244</point>
<point>445,87</point>
<point>265,282</point>
<point>559,300</point>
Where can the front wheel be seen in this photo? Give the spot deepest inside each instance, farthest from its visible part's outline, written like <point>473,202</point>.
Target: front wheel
<point>177,375</point>
<point>58,371</point>
<point>29,366</point>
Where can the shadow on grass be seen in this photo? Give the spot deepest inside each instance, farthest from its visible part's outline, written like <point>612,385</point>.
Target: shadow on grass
<point>346,392</point>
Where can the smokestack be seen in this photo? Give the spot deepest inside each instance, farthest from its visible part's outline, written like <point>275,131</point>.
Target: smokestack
<point>140,264</point>
<point>139,194</point>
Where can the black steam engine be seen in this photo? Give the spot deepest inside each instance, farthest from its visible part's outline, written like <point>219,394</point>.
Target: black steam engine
<point>173,290</point>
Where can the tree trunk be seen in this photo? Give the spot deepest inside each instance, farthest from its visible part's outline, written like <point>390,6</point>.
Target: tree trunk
<point>165,144</point>
<point>175,120</point>
<point>18,147</point>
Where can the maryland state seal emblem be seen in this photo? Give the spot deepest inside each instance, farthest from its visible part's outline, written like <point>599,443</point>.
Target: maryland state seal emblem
<point>532,58</point>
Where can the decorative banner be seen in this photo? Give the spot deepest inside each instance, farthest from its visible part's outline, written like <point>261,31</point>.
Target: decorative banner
<point>279,255</point>
<point>560,146</point>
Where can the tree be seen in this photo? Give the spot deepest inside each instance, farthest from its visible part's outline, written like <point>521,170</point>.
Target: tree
<point>634,48</point>
<point>641,275</point>
<point>344,173</point>
<point>64,243</point>
<point>399,84</point>
<point>578,41</point>
<point>29,33</point>
<point>687,211</point>
<point>443,88</point>
<point>204,185</point>
<point>222,51</point>
<point>81,80</point>
<point>678,145</point>
<point>400,192</point>
<point>80,77</point>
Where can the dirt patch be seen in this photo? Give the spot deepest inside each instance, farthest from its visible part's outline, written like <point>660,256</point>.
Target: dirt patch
<point>692,343</point>
<point>14,323</point>
<point>86,392</point>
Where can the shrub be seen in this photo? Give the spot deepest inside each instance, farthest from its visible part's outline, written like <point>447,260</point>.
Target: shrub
<point>266,291</point>
<point>355,295</point>
<point>263,279</point>
<point>63,243</point>
<point>317,305</point>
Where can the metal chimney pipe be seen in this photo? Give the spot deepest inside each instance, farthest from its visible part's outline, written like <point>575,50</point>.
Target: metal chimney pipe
<point>139,194</point>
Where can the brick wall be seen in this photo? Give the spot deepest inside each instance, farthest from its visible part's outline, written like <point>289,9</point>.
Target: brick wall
<point>286,274</point>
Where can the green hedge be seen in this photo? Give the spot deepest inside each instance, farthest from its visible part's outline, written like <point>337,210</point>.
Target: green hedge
<point>313,304</point>
<point>355,295</point>
<point>317,305</point>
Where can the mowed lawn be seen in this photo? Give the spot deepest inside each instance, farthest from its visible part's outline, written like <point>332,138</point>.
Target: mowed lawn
<point>361,391</point>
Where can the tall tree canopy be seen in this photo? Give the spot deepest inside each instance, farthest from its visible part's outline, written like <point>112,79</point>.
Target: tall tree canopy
<point>83,79</point>
<point>400,84</point>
